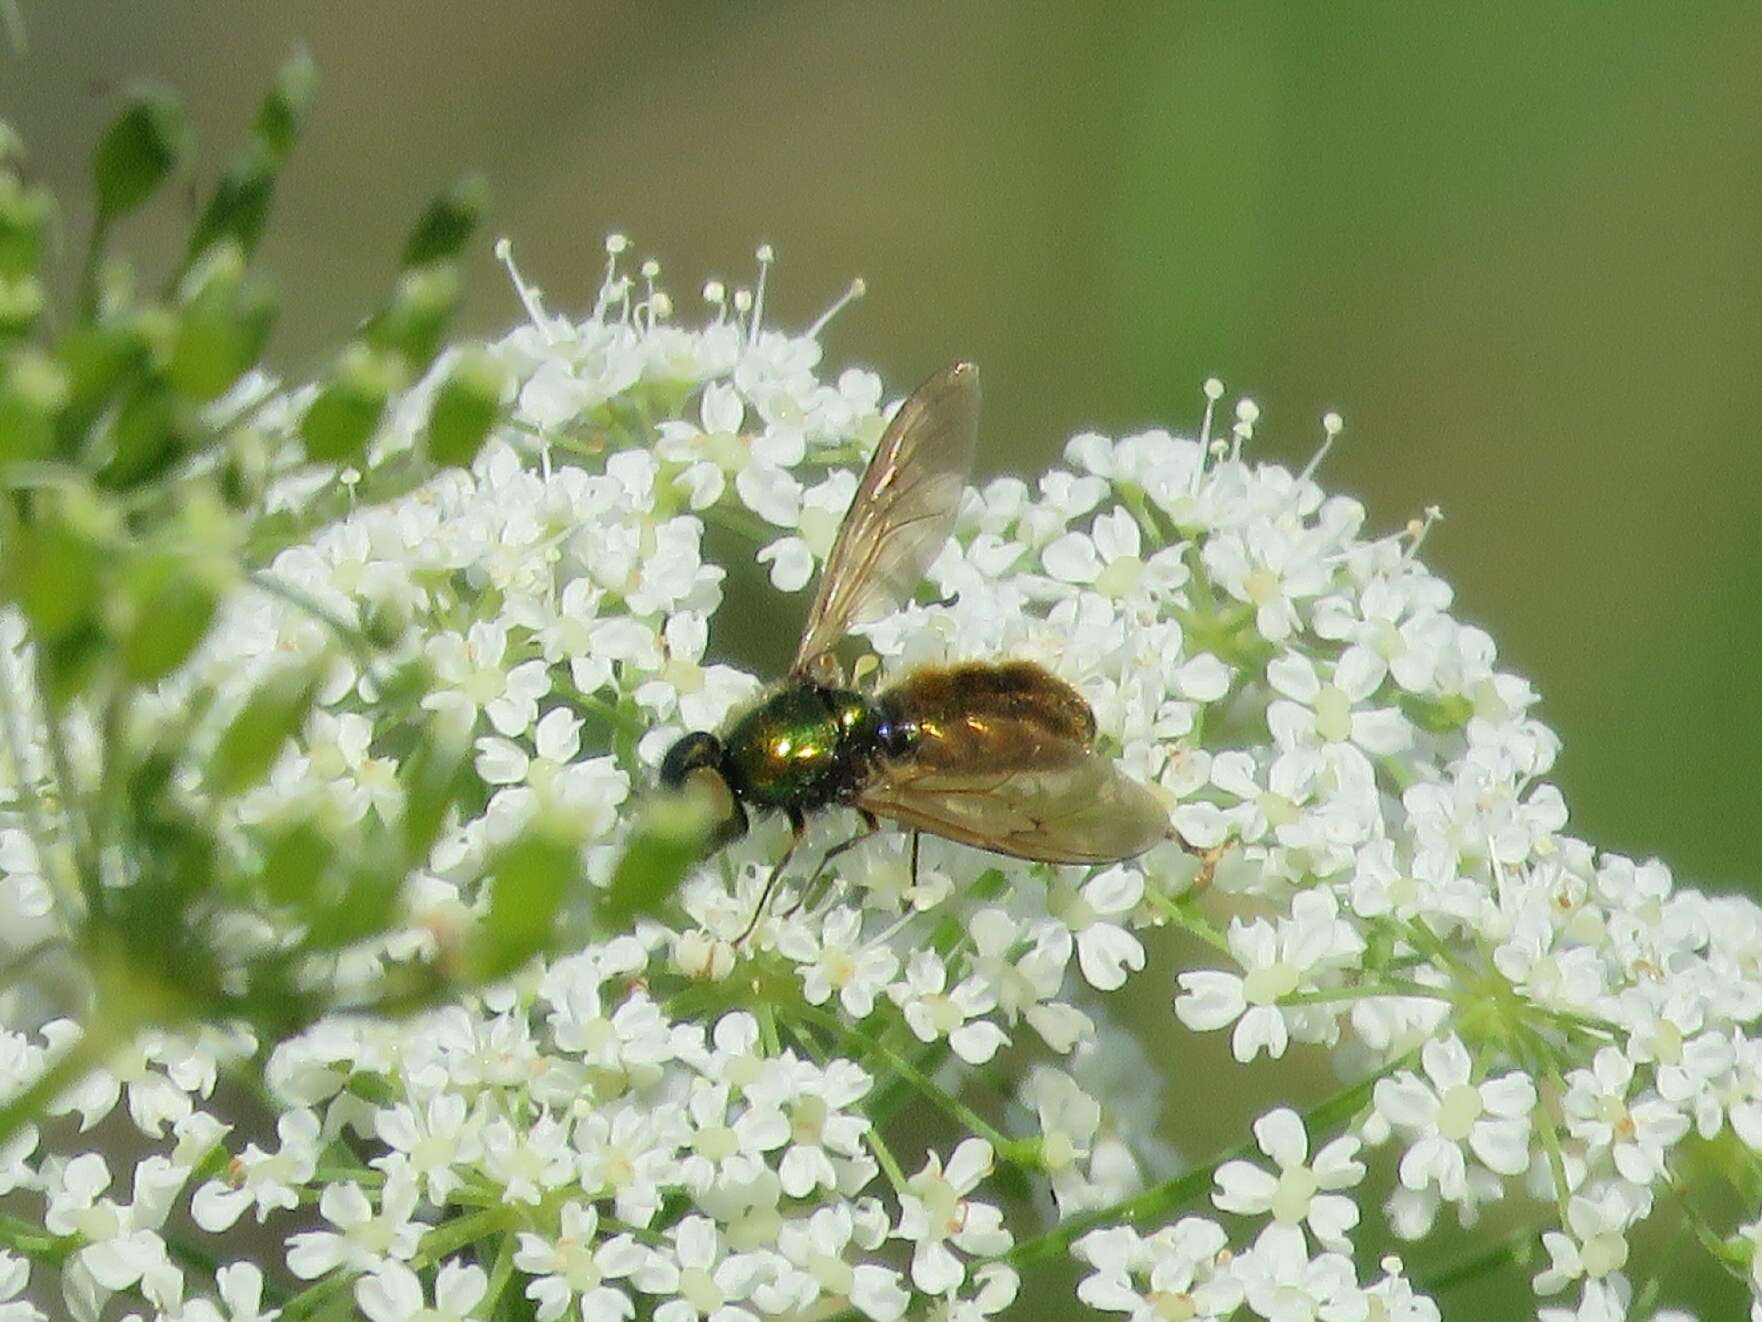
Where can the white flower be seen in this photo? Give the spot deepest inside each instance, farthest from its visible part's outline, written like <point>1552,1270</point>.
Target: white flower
<point>1108,560</point>
<point>472,667</point>
<point>708,1281</point>
<point>364,1238</point>
<point>1597,1246</point>
<point>935,1213</point>
<point>1445,1113</point>
<point>576,1265</point>
<point>1313,713</point>
<point>265,1180</point>
<point>631,1153</point>
<point>820,1248</point>
<point>391,1292</point>
<point>1636,1134</point>
<point>1282,1283</point>
<point>836,959</point>
<point>1026,985</point>
<point>528,1160</point>
<point>933,1012</point>
<point>1106,951</point>
<point>429,1142</point>
<point>1069,1121</point>
<point>15,1274</point>
<point>1301,1191</point>
<point>241,1297</point>
<point>1269,570</point>
<point>1292,957</point>
<point>1182,1268</point>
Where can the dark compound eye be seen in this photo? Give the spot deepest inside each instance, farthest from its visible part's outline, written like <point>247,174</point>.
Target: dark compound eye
<point>691,753</point>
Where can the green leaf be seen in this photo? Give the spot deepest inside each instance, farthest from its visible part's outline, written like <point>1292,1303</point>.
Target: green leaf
<point>531,878</point>
<point>146,436</point>
<point>444,229</point>
<point>25,217</point>
<point>414,319</point>
<point>53,571</point>
<point>272,716</point>
<point>282,115</point>
<point>672,835</point>
<point>239,208</point>
<point>22,301</point>
<point>432,776</point>
<point>364,907</point>
<point>340,422</point>
<point>33,390</point>
<point>223,326</point>
<point>170,626</point>
<point>138,153</point>
<point>101,361</point>
<point>295,866</point>
<point>466,407</point>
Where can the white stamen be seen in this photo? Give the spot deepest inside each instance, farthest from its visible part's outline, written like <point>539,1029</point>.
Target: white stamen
<point>649,310</point>
<point>716,295</point>
<point>743,304</point>
<point>1214,391</point>
<point>530,297</point>
<point>1417,529</point>
<point>1332,426</point>
<point>857,290</point>
<point>1247,414</point>
<point>766,257</point>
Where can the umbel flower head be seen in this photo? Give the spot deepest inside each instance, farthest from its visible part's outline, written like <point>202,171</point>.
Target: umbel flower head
<point>685,1121</point>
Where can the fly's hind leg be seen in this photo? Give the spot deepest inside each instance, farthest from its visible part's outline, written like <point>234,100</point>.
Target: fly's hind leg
<point>797,827</point>
<point>1208,858</point>
<point>814,886</point>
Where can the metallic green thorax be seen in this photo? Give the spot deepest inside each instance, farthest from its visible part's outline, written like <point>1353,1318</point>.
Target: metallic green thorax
<point>802,747</point>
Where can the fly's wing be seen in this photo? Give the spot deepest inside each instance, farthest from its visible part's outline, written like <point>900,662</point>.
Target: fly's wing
<point>1069,805</point>
<point>903,511</point>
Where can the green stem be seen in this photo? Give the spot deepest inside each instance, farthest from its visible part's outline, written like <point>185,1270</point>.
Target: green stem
<point>1508,1251</point>
<point>79,829</point>
<point>347,634</point>
<point>451,1236</point>
<point>1158,1201</point>
<point>1190,923</point>
<point>1367,991</point>
<point>16,967</point>
<point>740,523</point>
<point>104,1034</point>
<point>890,1166</point>
<point>61,886</point>
<point>501,1272</point>
<point>950,1105</point>
<point>35,1243</point>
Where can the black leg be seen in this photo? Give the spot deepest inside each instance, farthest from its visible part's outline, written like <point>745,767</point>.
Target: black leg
<point>916,837</point>
<point>870,826</point>
<point>797,826</point>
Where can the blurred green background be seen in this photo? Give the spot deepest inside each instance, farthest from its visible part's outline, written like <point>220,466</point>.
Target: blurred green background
<point>1519,248</point>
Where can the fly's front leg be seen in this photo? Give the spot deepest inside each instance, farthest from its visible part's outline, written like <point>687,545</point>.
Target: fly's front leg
<point>797,827</point>
<point>813,886</point>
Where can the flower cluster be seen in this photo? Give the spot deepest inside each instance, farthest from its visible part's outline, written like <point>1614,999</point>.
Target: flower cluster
<point>694,1121</point>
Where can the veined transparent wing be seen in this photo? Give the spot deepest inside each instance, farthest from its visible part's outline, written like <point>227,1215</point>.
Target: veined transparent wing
<point>903,511</point>
<point>1083,811</point>
<point>1000,755</point>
